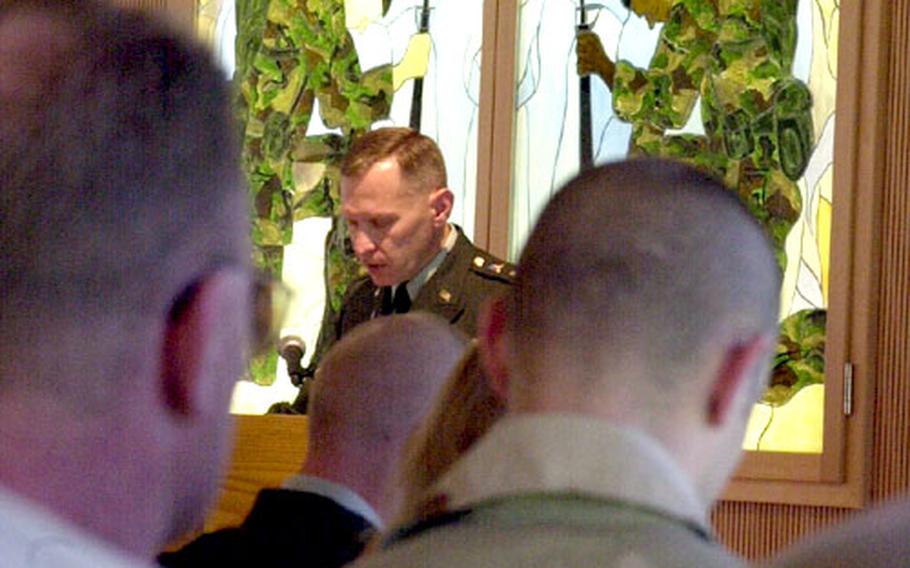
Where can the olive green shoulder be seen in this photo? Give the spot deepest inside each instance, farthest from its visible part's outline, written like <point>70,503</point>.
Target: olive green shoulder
<point>490,267</point>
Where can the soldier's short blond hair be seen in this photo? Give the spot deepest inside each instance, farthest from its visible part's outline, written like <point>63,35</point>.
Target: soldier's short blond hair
<point>464,410</point>
<point>417,155</point>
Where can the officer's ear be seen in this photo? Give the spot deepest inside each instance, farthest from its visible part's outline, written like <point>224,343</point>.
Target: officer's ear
<point>441,202</point>
<point>492,345</point>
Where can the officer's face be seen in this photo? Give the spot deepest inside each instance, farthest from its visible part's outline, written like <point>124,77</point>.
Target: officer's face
<point>395,228</point>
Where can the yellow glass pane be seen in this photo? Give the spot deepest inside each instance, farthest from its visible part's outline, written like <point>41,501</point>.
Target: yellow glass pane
<point>793,427</point>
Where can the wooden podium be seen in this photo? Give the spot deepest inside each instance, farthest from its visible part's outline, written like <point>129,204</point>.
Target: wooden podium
<point>267,450</point>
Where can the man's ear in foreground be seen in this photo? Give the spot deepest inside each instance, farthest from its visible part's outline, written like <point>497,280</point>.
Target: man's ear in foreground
<point>206,339</point>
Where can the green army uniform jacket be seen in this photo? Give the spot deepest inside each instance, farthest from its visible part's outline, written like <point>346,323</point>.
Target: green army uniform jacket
<point>455,292</point>
<point>465,279</point>
<point>559,490</point>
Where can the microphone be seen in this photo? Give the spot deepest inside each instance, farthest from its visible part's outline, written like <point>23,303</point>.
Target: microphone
<point>291,348</point>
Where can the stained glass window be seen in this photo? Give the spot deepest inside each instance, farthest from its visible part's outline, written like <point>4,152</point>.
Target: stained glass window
<point>782,56</point>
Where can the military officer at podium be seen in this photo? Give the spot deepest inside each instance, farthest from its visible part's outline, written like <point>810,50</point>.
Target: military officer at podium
<point>396,204</point>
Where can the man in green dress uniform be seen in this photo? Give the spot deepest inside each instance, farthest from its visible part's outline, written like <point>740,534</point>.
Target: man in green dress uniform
<point>396,205</point>
<point>296,59</point>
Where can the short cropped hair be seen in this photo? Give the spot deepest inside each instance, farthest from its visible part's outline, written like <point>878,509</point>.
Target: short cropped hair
<point>417,155</point>
<point>640,263</point>
<point>118,167</point>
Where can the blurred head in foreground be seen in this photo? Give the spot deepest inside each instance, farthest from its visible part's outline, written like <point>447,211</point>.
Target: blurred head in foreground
<point>126,305</point>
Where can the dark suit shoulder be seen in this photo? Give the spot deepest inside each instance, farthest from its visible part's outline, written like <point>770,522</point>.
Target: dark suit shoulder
<point>287,507</point>
<point>482,270</point>
<point>478,262</point>
<point>285,528</point>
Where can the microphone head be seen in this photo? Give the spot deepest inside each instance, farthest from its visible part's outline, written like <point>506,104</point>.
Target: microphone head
<point>291,346</point>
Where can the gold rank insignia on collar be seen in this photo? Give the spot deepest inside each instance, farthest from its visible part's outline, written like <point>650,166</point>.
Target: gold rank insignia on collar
<point>445,296</point>
<point>493,267</point>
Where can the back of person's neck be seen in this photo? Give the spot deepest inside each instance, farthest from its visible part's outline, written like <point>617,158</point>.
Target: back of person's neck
<point>84,470</point>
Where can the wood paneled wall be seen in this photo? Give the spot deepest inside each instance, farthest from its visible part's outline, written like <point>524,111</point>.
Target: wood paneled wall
<point>891,472</point>
<point>758,530</point>
<point>267,450</point>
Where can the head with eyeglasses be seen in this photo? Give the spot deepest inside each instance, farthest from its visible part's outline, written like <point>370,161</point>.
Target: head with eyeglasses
<point>127,295</point>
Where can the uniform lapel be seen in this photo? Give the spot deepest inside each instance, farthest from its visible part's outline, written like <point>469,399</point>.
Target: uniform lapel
<point>443,293</point>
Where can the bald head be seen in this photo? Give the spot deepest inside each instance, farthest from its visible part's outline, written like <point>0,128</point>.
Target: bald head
<point>633,270</point>
<point>371,390</point>
<point>379,379</point>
